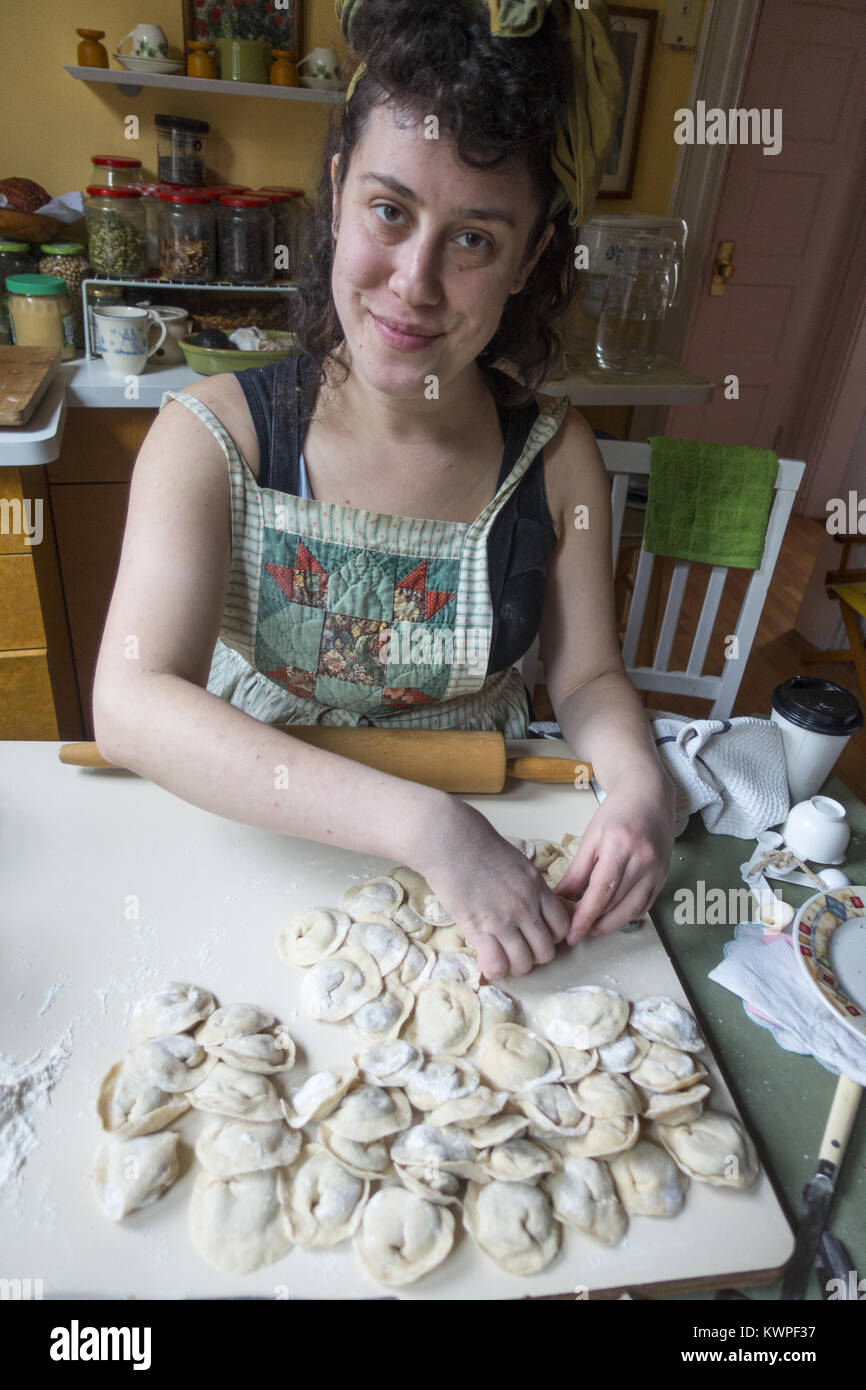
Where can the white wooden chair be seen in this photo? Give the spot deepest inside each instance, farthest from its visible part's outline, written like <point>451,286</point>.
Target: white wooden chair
<point>624,460</point>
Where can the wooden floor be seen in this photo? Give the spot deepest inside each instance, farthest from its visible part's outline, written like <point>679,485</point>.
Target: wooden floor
<point>776,652</point>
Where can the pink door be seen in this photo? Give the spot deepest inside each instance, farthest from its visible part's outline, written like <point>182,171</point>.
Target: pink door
<point>791,217</point>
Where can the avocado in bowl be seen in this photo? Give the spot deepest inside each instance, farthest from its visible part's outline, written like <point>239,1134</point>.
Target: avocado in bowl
<point>209,361</point>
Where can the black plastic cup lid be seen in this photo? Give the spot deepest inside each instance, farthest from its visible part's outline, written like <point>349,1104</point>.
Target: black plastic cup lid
<point>818,705</point>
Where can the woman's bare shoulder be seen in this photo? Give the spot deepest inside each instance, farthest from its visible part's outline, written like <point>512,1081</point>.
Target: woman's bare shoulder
<point>572,463</point>
<point>224,397</point>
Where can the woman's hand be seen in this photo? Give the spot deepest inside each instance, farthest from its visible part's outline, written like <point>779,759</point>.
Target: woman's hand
<point>499,900</point>
<point>623,859</point>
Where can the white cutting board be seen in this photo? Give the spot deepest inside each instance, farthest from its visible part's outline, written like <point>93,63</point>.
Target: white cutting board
<point>76,847</point>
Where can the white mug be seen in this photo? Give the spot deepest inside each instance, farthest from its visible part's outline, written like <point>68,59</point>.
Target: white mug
<point>122,335</point>
<point>148,41</point>
<point>177,324</point>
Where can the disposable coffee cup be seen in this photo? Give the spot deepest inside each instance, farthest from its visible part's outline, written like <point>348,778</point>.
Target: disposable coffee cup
<point>816,720</point>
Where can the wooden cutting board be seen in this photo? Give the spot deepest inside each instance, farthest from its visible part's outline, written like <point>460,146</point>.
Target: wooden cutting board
<point>24,376</point>
<point>113,885</point>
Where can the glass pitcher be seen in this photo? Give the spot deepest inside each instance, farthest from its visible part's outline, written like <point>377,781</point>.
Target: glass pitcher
<point>641,285</point>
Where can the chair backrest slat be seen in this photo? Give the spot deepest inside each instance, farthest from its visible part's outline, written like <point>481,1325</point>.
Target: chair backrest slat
<point>707,620</point>
<point>671,618</point>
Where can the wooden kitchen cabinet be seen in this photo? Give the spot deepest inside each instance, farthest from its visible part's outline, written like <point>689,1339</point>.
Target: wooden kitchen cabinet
<point>89,486</point>
<point>54,596</point>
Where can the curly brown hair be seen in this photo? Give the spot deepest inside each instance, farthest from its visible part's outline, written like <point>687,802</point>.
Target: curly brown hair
<point>497,98</point>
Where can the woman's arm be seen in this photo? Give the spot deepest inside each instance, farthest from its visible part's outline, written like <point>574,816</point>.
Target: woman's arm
<point>625,852</point>
<point>152,713</point>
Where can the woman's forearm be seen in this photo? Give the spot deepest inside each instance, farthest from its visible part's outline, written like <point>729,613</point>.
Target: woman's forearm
<point>605,723</point>
<point>213,755</point>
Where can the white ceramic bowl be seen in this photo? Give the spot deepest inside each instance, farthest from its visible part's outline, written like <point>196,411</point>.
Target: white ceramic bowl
<point>818,829</point>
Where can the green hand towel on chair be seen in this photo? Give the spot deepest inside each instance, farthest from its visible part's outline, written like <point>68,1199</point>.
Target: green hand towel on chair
<point>709,502</point>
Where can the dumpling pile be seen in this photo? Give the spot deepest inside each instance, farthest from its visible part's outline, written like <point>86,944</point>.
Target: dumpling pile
<point>452,1108</point>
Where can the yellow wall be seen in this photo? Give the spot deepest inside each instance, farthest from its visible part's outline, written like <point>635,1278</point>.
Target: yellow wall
<point>51,124</point>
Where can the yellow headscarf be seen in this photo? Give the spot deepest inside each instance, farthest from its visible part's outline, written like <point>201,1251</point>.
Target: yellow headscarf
<point>587,124</point>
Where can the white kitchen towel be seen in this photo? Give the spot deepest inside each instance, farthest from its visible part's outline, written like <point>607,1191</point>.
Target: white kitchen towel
<point>731,770</point>
<point>764,971</point>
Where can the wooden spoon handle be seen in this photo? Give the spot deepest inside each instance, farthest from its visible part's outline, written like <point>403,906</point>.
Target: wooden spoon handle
<point>82,755</point>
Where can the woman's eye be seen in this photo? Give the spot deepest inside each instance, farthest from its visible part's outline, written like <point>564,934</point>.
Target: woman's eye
<point>387,207</point>
<point>481,242</point>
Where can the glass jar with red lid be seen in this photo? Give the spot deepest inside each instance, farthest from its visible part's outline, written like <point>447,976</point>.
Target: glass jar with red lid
<point>286,210</point>
<point>187,239</point>
<point>245,236</point>
<point>114,171</point>
<point>222,190</point>
<point>116,232</point>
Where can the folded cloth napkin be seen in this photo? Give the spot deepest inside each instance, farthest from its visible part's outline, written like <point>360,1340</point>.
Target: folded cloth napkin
<point>731,770</point>
<point>766,975</point>
<point>709,502</point>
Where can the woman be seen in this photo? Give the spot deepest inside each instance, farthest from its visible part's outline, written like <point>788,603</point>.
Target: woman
<point>394,571</point>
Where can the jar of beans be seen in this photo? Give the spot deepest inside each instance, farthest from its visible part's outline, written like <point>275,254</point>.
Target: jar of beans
<point>187,238</point>
<point>116,232</point>
<point>67,259</point>
<point>181,147</point>
<point>245,235</point>
<point>114,171</point>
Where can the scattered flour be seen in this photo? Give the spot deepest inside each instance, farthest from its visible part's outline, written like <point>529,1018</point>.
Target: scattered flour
<point>51,998</point>
<point>24,1092</point>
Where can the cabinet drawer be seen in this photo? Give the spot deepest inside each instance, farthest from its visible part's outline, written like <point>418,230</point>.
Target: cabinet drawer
<point>12,514</point>
<point>20,612</point>
<point>26,700</point>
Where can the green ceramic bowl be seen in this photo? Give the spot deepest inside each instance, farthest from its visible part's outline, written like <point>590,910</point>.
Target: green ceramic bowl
<point>211,361</point>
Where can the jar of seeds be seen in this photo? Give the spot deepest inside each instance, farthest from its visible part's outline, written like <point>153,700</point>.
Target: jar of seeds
<point>67,259</point>
<point>284,210</point>
<point>181,148</point>
<point>116,232</point>
<point>187,239</point>
<point>245,232</point>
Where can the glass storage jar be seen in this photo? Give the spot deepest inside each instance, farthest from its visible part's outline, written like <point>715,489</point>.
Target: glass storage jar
<point>285,212</point>
<point>40,314</point>
<point>116,233</point>
<point>67,259</point>
<point>15,259</point>
<point>245,235</point>
<point>187,238</point>
<point>114,170</point>
<point>181,147</point>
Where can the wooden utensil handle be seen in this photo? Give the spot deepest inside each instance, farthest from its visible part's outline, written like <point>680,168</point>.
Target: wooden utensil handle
<point>83,755</point>
<point>839,1121</point>
<point>529,769</point>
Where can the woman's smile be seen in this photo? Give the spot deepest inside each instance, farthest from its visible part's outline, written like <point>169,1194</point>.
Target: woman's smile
<point>395,335</point>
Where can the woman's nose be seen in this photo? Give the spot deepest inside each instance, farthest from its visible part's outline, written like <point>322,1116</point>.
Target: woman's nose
<point>417,273</point>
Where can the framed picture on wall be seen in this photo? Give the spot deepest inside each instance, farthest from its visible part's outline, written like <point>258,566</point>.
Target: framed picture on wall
<point>281,24</point>
<point>632,34</point>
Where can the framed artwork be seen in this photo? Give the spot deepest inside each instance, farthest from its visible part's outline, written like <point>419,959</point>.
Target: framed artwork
<point>632,34</point>
<point>279,22</point>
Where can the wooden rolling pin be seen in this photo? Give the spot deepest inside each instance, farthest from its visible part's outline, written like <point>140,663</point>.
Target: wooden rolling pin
<point>452,760</point>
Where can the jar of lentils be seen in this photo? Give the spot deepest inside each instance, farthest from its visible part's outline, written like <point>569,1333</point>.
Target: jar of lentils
<point>285,212</point>
<point>187,237</point>
<point>245,234</point>
<point>67,259</point>
<point>116,233</point>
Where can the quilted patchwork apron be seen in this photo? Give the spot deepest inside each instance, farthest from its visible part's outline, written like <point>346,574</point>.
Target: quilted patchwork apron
<point>337,615</point>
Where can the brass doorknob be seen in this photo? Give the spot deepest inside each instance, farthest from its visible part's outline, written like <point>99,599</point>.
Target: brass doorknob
<point>723,268</point>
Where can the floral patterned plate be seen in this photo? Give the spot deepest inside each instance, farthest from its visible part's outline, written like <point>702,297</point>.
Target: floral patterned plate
<point>829,933</point>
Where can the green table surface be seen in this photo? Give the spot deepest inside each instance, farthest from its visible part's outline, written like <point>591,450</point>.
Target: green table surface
<point>784,1097</point>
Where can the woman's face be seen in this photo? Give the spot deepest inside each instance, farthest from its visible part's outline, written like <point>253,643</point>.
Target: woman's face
<point>427,253</point>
